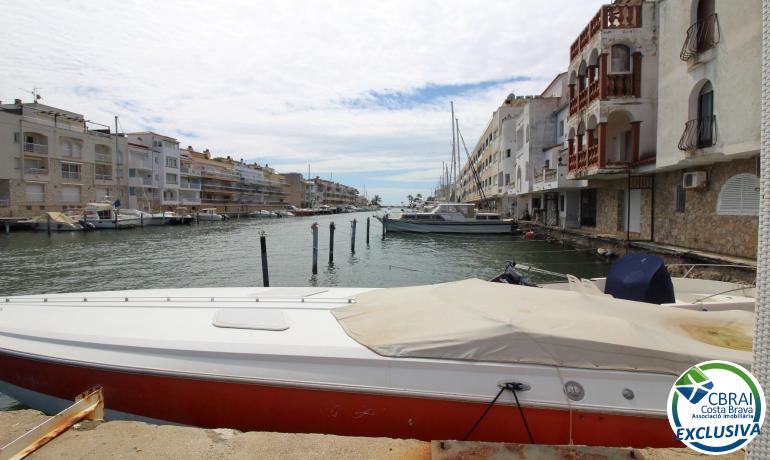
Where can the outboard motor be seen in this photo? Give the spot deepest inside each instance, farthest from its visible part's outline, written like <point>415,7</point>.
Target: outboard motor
<point>512,276</point>
<point>640,277</point>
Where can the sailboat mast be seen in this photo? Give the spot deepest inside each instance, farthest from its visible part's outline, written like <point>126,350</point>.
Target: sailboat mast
<point>453,177</point>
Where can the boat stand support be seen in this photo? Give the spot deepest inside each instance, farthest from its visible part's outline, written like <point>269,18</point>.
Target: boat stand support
<point>88,405</point>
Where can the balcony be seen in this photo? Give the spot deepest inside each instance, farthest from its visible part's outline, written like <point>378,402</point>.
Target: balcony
<point>189,171</point>
<point>612,85</point>
<point>699,133</point>
<point>190,185</point>
<point>103,158</point>
<point>701,36</point>
<point>70,175</point>
<point>103,177</point>
<point>608,17</point>
<point>40,149</point>
<point>36,171</point>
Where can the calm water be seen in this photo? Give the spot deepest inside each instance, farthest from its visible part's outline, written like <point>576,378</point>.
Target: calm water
<point>227,254</point>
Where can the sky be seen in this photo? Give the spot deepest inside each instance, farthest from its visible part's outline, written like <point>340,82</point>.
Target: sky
<point>358,91</point>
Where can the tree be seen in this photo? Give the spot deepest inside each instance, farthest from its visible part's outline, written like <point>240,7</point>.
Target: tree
<point>419,197</point>
<point>411,200</point>
<point>376,201</point>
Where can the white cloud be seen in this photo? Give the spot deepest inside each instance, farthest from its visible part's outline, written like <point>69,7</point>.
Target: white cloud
<point>265,80</point>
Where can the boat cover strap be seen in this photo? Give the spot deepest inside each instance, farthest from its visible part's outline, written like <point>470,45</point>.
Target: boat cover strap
<point>480,321</point>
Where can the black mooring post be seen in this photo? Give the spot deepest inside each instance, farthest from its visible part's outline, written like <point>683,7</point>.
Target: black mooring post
<point>48,218</point>
<point>367,232</point>
<point>263,253</point>
<point>331,242</point>
<point>353,237</point>
<point>314,231</point>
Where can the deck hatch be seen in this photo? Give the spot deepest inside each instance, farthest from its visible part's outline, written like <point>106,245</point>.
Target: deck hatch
<point>251,318</point>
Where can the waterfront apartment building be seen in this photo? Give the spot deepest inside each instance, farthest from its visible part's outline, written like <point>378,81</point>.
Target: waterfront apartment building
<point>235,186</point>
<point>54,160</point>
<point>153,171</point>
<point>332,193</point>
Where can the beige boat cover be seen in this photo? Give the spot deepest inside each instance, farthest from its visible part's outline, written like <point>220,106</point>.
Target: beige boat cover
<point>482,321</point>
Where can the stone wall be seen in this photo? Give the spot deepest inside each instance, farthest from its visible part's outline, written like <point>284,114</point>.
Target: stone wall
<point>699,227</point>
<point>609,210</point>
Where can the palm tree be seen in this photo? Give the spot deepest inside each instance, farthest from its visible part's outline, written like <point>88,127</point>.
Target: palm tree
<point>376,200</point>
<point>411,200</point>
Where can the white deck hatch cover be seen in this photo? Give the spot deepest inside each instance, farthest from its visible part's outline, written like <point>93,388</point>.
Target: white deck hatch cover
<point>251,318</point>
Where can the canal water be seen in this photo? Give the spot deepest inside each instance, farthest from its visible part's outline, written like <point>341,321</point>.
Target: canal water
<point>227,254</point>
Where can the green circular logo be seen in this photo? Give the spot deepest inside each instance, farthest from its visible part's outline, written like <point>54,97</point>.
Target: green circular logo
<point>716,407</point>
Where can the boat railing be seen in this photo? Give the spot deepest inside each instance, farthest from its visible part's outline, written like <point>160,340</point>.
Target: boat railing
<point>175,302</point>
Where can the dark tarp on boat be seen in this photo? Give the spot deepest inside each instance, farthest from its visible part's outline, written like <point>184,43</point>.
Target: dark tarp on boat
<point>640,277</point>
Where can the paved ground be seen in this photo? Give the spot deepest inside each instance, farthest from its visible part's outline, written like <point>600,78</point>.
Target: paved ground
<point>134,440</point>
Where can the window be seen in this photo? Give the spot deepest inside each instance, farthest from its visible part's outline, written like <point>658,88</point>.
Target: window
<point>131,172</point>
<point>34,193</point>
<point>706,116</point>
<point>500,179</point>
<point>171,162</point>
<point>131,191</point>
<point>561,128</point>
<point>680,198</point>
<point>70,193</point>
<point>621,59</point>
<point>507,179</point>
<point>70,171</point>
<point>739,196</point>
<point>507,153</point>
<point>171,178</point>
<point>561,203</point>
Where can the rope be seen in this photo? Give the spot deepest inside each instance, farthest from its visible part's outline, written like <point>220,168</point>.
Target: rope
<point>513,387</point>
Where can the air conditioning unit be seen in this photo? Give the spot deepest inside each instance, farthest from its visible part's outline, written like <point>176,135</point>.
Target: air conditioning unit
<point>694,179</point>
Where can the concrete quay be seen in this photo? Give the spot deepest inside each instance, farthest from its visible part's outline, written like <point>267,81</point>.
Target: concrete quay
<point>136,440</point>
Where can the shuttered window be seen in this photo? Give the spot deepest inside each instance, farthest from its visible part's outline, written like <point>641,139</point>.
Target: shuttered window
<point>34,193</point>
<point>739,196</point>
<point>70,193</point>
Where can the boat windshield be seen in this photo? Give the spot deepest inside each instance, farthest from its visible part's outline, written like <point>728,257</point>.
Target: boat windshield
<point>465,209</point>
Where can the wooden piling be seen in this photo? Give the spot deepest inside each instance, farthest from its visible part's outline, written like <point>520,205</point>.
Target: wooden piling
<point>331,242</point>
<point>353,237</point>
<point>7,227</point>
<point>314,231</point>
<point>48,223</point>
<point>263,253</point>
<point>367,232</point>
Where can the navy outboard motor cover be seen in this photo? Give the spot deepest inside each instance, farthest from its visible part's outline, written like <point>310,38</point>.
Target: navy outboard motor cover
<point>640,277</point>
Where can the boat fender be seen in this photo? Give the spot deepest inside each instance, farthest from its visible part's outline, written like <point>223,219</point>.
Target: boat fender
<point>530,235</point>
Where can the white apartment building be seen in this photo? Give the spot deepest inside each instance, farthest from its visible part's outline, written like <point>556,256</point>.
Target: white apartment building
<point>165,162</point>
<point>54,160</point>
<point>707,188</point>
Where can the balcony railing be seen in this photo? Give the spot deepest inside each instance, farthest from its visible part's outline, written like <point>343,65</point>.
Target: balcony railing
<point>99,176</point>
<point>699,133</point>
<point>701,36</point>
<point>620,84</point>
<point>71,175</point>
<point>36,148</point>
<point>190,185</point>
<point>550,175</point>
<point>608,17</point>
<point>102,157</point>
<point>36,171</point>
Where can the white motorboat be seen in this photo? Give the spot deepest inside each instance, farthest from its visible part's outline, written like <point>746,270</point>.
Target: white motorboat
<point>106,216</point>
<point>209,214</point>
<point>448,218</point>
<point>419,362</point>
<point>146,218</point>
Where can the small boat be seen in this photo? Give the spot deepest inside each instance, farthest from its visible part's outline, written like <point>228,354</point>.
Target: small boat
<point>180,216</point>
<point>524,365</point>
<point>448,218</point>
<point>105,215</point>
<point>146,218</point>
<point>642,277</point>
<point>209,214</point>
<point>55,222</point>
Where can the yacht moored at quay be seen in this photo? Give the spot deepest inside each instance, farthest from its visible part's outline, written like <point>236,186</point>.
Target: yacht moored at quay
<point>448,218</point>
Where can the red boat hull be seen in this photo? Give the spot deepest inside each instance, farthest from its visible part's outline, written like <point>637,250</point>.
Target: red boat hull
<point>260,407</point>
